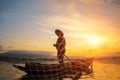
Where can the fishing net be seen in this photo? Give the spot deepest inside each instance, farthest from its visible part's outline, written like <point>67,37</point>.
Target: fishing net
<point>55,71</point>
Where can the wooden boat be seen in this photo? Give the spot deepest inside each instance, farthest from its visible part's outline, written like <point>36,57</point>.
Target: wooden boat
<point>75,67</point>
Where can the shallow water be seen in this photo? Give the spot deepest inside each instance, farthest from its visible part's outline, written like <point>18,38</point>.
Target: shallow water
<point>103,70</point>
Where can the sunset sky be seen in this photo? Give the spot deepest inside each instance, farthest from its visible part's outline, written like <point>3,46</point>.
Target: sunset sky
<point>89,26</point>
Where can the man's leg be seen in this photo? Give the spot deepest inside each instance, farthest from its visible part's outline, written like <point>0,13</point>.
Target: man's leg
<point>60,58</point>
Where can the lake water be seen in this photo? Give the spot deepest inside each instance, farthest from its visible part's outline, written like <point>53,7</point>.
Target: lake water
<point>103,70</point>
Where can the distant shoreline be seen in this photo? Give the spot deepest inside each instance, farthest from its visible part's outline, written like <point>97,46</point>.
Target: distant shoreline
<point>24,60</point>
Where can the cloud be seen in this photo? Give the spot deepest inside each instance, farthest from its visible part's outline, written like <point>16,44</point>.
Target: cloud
<point>91,1</point>
<point>77,15</point>
<point>115,2</point>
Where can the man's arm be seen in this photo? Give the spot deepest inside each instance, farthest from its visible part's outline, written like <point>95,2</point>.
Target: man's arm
<point>58,42</point>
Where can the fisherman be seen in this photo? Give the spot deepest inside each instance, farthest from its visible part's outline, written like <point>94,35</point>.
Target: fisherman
<point>60,45</point>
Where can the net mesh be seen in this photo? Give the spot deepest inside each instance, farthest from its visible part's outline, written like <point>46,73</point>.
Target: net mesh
<point>52,70</point>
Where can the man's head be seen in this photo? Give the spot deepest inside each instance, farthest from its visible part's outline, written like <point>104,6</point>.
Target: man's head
<point>59,33</point>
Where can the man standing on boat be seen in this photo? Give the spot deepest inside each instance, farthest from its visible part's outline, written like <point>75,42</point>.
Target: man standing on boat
<point>60,45</point>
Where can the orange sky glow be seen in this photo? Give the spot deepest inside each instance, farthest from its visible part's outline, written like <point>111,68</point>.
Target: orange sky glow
<point>91,27</point>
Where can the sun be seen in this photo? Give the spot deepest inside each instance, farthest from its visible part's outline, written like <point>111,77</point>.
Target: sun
<point>94,40</point>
